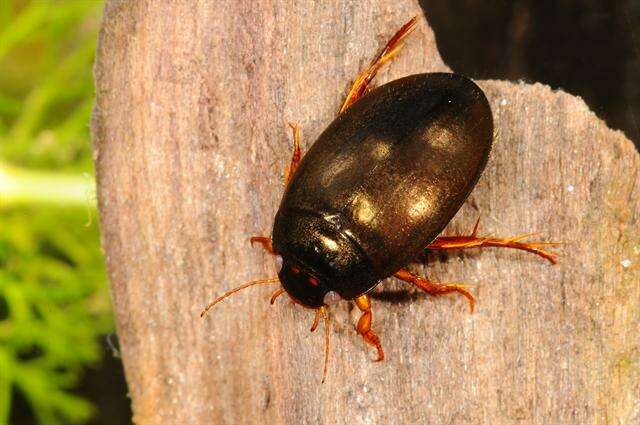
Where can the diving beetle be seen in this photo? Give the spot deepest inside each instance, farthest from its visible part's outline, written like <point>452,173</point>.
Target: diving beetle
<point>377,188</point>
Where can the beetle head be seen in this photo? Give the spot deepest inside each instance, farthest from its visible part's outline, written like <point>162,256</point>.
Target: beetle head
<point>319,258</point>
<point>302,284</point>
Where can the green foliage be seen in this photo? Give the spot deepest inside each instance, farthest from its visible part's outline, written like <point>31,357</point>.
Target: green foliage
<point>53,298</point>
<point>51,287</point>
<point>46,88</point>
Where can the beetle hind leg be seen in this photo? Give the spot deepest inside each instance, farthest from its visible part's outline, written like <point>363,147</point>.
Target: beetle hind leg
<point>361,84</point>
<point>435,288</point>
<point>364,325</point>
<point>515,242</point>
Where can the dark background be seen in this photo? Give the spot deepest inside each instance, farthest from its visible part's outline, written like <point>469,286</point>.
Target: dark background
<point>589,48</point>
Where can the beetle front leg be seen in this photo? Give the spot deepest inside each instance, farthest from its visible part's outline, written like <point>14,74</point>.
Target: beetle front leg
<point>434,288</point>
<point>265,242</point>
<point>360,85</point>
<point>364,325</point>
<point>473,241</point>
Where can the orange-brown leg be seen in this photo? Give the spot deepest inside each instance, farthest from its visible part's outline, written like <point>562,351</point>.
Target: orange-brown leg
<point>275,294</point>
<point>473,241</point>
<point>296,156</point>
<point>316,320</point>
<point>434,288</point>
<point>362,81</point>
<point>364,325</point>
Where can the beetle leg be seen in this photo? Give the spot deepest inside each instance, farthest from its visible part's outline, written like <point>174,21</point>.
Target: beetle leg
<point>325,316</point>
<point>295,156</point>
<point>265,242</point>
<point>364,325</point>
<point>316,320</point>
<point>434,288</point>
<point>360,85</point>
<point>473,241</point>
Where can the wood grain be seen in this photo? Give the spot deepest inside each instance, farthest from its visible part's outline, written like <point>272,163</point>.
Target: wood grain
<point>190,145</point>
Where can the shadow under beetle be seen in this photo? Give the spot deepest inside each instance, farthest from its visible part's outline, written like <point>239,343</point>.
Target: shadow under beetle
<point>377,188</point>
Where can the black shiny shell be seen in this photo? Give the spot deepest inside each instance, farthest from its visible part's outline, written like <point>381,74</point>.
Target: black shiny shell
<point>383,180</point>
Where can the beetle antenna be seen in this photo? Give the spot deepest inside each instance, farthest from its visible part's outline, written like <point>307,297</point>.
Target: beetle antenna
<point>275,295</point>
<point>325,317</point>
<point>234,290</point>
<point>316,320</point>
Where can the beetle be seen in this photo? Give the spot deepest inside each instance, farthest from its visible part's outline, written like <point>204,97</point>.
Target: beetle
<point>377,188</point>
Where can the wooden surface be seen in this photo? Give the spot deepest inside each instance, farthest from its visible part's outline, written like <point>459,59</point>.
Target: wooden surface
<point>190,144</point>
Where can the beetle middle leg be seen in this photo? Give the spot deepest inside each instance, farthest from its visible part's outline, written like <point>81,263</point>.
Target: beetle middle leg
<point>364,325</point>
<point>474,241</point>
<point>434,288</point>
<point>296,156</point>
<point>360,85</point>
